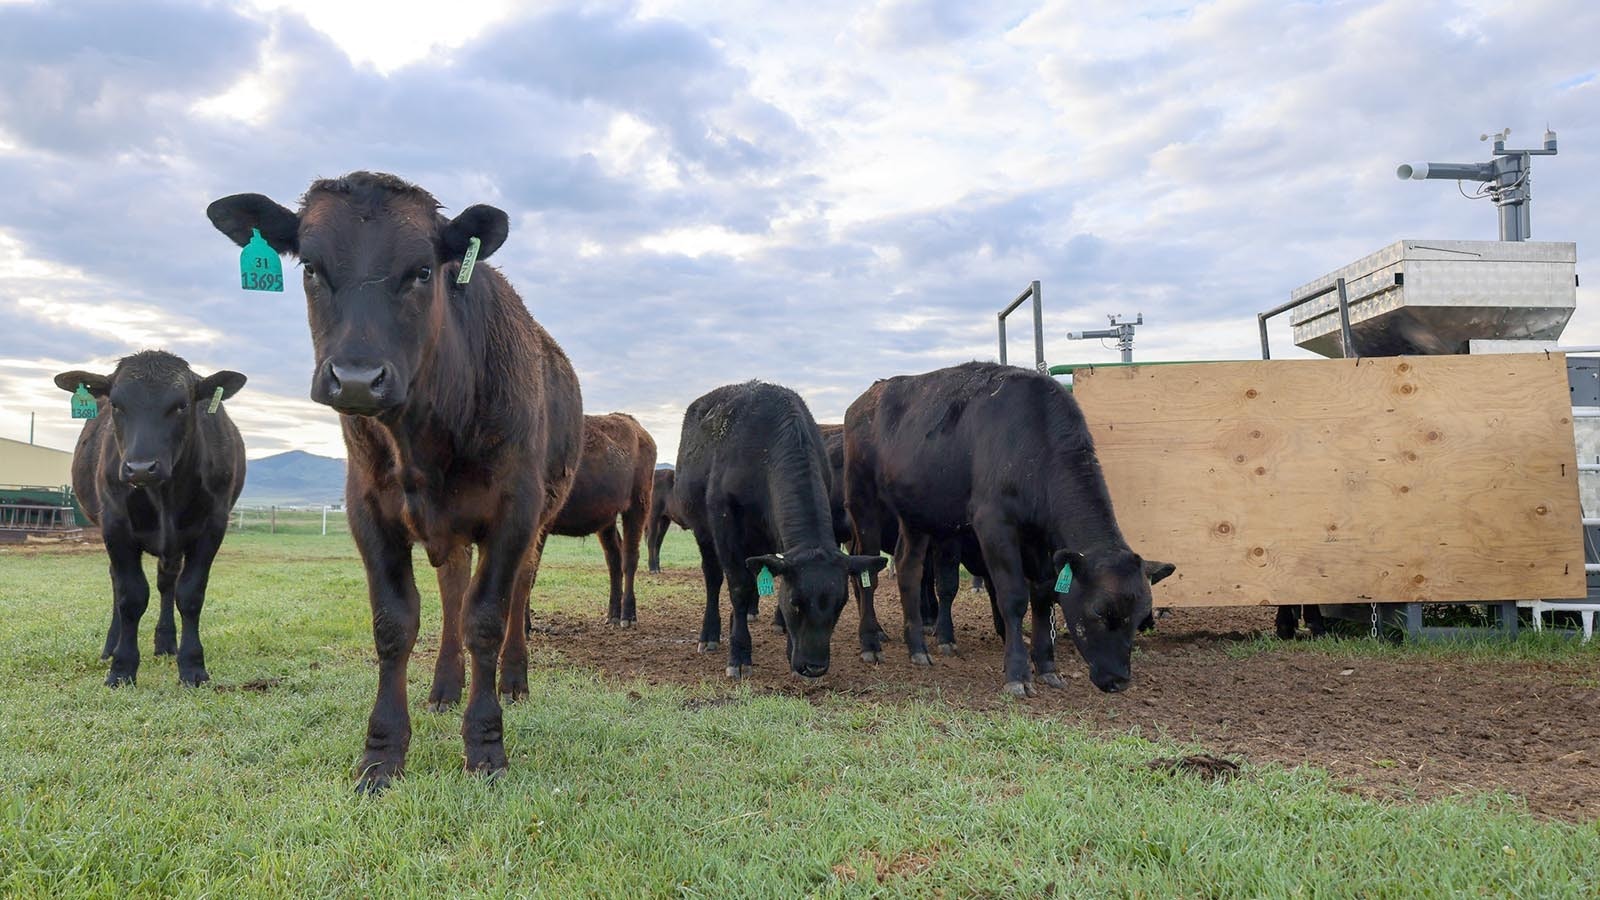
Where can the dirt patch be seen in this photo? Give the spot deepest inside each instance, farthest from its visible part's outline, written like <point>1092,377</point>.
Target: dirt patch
<point>1397,728</point>
<point>258,686</point>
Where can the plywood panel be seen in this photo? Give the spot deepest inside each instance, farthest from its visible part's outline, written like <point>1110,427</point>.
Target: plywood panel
<point>1442,478</point>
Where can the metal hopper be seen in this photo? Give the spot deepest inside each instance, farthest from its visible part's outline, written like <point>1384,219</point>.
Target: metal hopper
<point>1432,297</point>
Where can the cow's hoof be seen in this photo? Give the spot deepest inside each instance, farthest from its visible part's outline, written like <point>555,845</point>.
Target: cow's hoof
<point>194,679</point>
<point>487,761</point>
<point>1053,679</point>
<point>377,776</point>
<point>439,705</point>
<point>740,671</point>
<point>165,647</point>
<point>613,620</point>
<point>949,650</point>
<point>1018,689</point>
<point>753,619</point>
<point>927,629</point>
<point>118,679</point>
<point>626,623</point>
<point>921,659</point>
<point>707,646</point>
<point>514,692</point>
<point>779,629</point>
<point>872,656</point>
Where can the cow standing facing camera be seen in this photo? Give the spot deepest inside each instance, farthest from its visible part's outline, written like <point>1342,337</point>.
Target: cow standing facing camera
<point>158,468</point>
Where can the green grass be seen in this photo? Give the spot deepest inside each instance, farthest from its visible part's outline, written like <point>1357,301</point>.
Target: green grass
<point>626,790</point>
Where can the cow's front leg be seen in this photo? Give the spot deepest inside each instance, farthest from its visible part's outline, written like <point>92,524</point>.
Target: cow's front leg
<point>191,599</point>
<point>449,673</point>
<point>1044,639</point>
<point>132,598</point>
<point>396,608</point>
<point>1011,593</point>
<point>167,586</point>
<point>501,566</point>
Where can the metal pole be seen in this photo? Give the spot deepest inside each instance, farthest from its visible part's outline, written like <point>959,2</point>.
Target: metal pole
<point>1261,323</point>
<point>31,417</point>
<point>1002,339</point>
<point>1347,341</point>
<point>324,521</point>
<point>1038,328</point>
<point>273,528</point>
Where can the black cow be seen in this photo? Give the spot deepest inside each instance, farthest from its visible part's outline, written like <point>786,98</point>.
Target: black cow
<point>158,469</point>
<point>752,484</point>
<point>1005,452</point>
<point>661,517</point>
<point>463,423</point>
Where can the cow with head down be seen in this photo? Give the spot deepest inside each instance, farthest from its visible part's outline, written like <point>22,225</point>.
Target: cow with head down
<point>1004,453</point>
<point>158,468</point>
<point>462,420</point>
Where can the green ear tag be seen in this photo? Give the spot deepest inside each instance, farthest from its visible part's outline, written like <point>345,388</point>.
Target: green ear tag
<point>764,585</point>
<point>260,269</point>
<point>216,398</point>
<point>83,405</point>
<point>468,261</point>
<point>1065,581</point>
<point>866,579</point>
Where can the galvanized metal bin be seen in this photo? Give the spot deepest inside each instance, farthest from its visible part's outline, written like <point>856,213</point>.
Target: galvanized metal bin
<point>1432,297</point>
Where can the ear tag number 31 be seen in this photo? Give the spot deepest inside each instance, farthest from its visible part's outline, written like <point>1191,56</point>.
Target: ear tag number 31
<point>764,585</point>
<point>83,406</point>
<point>260,269</point>
<point>1065,581</point>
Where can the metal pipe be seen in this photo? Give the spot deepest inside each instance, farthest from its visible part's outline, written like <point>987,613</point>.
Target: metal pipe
<point>1347,341</point>
<point>1003,339</point>
<point>1038,327</point>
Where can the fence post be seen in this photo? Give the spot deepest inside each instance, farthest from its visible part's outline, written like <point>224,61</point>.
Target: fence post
<point>324,521</point>
<point>273,529</point>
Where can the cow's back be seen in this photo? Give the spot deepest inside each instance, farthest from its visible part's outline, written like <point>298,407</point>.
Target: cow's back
<point>732,436</point>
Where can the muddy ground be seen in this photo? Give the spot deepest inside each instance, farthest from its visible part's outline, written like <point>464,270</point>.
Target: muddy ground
<point>1395,728</point>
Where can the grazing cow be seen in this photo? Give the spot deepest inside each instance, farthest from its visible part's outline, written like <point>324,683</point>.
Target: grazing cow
<point>752,485</point>
<point>158,469</point>
<point>615,479</point>
<point>463,424</point>
<point>1005,452</point>
<point>662,516</point>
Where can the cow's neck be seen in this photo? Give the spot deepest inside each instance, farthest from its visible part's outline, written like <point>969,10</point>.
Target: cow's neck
<point>1080,513</point>
<point>798,497</point>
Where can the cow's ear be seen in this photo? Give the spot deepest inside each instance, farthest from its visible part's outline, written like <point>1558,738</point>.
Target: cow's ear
<point>229,381</point>
<point>236,215</point>
<point>1068,558</point>
<point>97,385</point>
<point>489,225</point>
<point>855,565</point>
<point>1155,570</point>
<point>776,563</point>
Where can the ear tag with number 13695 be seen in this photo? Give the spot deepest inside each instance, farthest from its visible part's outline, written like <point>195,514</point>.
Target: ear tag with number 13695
<point>764,585</point>
<point>1065,581</point>
<point>83,405</point>
<point>468,261</point>
<point>260,269</point>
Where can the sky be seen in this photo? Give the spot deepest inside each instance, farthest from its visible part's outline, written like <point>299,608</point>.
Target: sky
<point>816,194</point>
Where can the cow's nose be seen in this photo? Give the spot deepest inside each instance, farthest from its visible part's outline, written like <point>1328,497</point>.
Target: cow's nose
<point>141,472</point>
<point>811,670</point>
<point>354,388</point>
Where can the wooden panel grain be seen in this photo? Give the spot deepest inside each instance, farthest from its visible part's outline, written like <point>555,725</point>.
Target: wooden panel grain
<point>1432,478</point>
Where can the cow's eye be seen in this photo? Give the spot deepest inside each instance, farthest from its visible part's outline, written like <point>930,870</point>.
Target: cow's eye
<point>177,409</point>
<point>311,271</point>
<point>423,274</point>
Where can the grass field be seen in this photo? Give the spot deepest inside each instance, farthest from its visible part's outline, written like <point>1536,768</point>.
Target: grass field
<point>243,788</point>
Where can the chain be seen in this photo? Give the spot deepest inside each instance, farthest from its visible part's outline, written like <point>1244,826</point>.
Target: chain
<point>1374,621</point>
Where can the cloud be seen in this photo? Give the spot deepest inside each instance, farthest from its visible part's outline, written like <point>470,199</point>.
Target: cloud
<point>814,194</point>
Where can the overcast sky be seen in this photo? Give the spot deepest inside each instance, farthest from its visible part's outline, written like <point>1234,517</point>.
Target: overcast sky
<point>817,194</point>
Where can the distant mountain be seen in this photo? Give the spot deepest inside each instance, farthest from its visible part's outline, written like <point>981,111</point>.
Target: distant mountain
<point>295,478</point>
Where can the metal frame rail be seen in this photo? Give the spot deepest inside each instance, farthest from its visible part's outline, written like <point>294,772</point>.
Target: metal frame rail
<point>1032,291</point>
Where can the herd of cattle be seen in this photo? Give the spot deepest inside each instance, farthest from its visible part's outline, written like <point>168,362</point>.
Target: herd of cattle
<point>464,429</point>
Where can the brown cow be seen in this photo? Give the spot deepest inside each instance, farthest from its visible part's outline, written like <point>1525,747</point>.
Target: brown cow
<point>615,478</point>
<point>461,417</point>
